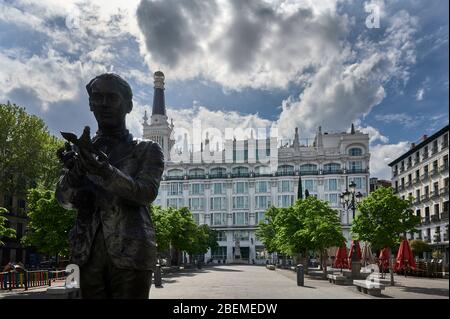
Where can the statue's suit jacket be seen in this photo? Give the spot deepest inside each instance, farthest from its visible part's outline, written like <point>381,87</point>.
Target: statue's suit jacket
<point>119,203</point>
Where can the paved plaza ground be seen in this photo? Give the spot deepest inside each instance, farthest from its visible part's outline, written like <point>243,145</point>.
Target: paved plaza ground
<point>257,282</point>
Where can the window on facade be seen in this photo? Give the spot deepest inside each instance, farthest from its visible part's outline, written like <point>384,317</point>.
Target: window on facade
<point>218,188</point>
<point>262,170</point>
<point>355,165</point>
<point>331,184</point>
<point>240,187</point>
<point>308,168</point>
<point>175,172</point>
<point>285,186</point>
<point>436,209</point>
<point>19,230</point>
<point>262,187</point>
<point>21,203</point>
<point>285,200</point>
<point>417,194</point>
<point>219,253</point>
<point>219,219</point>
<point>196,189</point>
<point>240,202</point>
<point>332,199</point>
<point>196,172</point>
<point>355,151</point>
<point>7,200</point>
<point>241,235</point>
<point>218,172</point>
<point>175,189</point>
<point>240,171</point>
<point>262,202</point>
<point>221,235</point>
<point>260,217</point>
<point>409,178</point>
<point>218,203</point>
<point>285,170</point>
<point>196,203</point>
<point>436,188</point>
<point>332,167</point>
<point>175,202</point>
<point>359,181</point>
<point>445,161</point>
<point>240,218</point>
<point>309,184</point>
<point>196,218</point>
<point>435,146</point>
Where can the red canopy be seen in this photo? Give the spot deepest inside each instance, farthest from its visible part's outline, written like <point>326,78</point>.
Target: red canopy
<point>358,248</point>
<point>405,257</point>
<point>341,260</point>
<point>385,254</point>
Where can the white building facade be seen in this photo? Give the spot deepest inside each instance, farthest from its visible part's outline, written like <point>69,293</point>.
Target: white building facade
<point>422,173</point>
<point>231,193</point>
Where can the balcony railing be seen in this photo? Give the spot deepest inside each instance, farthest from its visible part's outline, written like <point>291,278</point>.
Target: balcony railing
<point>357,170</point>
<point>197,176</point>
<point>416,201</point>
<point>409,165</point>
<point>444,145</point>
<point>443,168</point>
<point>443,191</point>
<point>425,155</point>
<point>444,215</point>
<point>435,194</point>
<point>434,150</point>
<point>424,176</point>
<point>313,172</point>
<point>416,180</point>
<point>248,174</point>
<point>416,161</point>
<point>426,220</point>
<point>332,171</point>
<point>173,178</point>
<point>408,184</point>
<point>394,173</point>
<point>219,175</point>
<point>427,239</point>
<point>425,197</point>
<point>434,171</point>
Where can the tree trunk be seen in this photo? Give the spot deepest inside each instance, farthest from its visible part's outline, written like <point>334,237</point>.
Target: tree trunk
<point>325,259</point>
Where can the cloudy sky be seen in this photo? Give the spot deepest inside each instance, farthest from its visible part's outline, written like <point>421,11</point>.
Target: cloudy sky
<point>238,63</point>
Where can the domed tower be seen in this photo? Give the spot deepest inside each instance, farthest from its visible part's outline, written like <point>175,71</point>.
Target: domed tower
<point>159,129</point>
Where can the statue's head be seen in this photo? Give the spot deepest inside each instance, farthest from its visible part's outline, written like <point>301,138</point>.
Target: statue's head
<point>110,99</point>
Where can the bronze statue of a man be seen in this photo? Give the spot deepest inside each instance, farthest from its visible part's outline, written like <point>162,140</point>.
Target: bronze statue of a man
<point>111,180</point>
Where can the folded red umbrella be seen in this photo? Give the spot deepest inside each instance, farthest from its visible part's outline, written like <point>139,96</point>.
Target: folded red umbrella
<point>358,248</point>
<point>385,254</point>
<point>405,257</point>
<point>341,260</point>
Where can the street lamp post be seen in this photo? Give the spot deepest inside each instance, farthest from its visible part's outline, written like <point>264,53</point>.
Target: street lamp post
<point>349,199</point>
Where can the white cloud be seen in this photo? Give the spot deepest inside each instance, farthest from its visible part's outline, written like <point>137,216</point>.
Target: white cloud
<point>420,94</point>
<point>381,155</point>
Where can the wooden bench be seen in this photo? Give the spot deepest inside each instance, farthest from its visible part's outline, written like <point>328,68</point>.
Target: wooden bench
<point>369,287</point>
<point>337,279</point>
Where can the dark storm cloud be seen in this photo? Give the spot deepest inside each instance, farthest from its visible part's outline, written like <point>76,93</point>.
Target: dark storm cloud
<point>171,28</point>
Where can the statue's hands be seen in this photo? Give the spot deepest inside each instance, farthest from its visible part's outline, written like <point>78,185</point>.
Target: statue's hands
<point>67,155</point>
<point>94,165</point>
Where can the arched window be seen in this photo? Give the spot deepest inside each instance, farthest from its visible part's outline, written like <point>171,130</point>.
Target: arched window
<point>196,172</point>
<point>285,170</point>
<point>308,168</point>
<point>218,172</point>
<point>260,170</point>
<point>240,171</point>
<point>175,172</point>
<point>332,167</point>
<point>355,151</point>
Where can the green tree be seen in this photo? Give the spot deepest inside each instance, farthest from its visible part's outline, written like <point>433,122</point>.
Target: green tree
<point>4,230</point>
<point>27,151</point>
<point>204,238</point>
<point>49,223</point>
<point>266,230</point>
<point>162,227</point>
<point>383,217</point>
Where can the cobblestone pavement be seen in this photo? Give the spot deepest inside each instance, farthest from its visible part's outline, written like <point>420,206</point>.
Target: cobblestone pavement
<point>257,282</point>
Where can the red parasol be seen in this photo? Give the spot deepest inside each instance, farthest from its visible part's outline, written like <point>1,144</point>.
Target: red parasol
<point>341,260</point>
<point>385,254</point>
<point>358,248</point>
<point>405,258</point>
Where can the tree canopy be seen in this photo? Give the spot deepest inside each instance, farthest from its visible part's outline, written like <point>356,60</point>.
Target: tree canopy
<point>49,223</point>
<point>383,217</point>
<point>27,151</point>
<point>4,230</point>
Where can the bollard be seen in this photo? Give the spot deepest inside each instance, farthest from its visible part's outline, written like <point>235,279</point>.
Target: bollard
<point>157,276</point>
<point>300,275</point>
